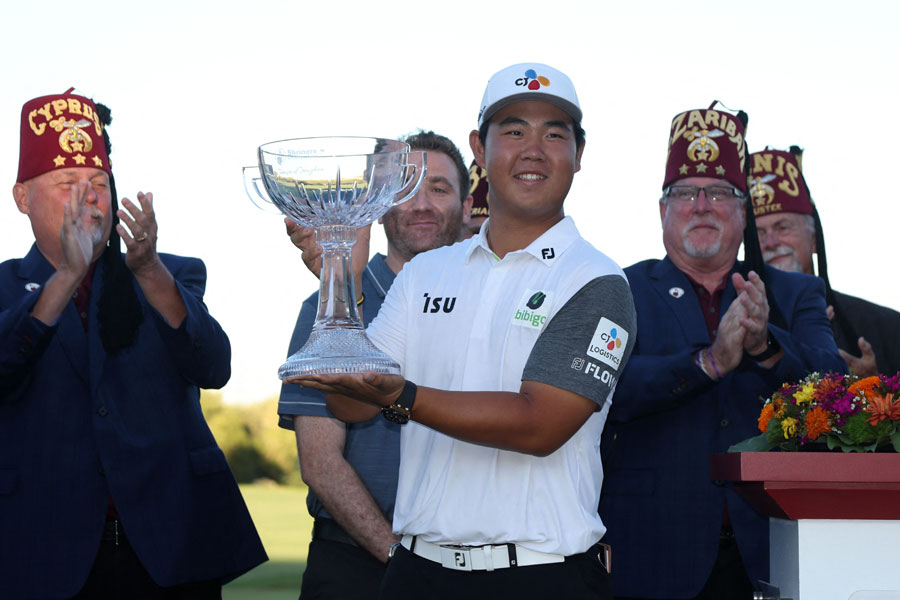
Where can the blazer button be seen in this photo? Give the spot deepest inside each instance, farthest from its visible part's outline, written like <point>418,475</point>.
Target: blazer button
<point>723,423</point>
<point>102,411</point>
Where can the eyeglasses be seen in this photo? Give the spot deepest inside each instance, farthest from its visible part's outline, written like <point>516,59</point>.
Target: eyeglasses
<point>690,193</point>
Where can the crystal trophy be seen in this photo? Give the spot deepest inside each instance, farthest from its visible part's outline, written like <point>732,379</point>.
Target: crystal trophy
<point>335,185</point>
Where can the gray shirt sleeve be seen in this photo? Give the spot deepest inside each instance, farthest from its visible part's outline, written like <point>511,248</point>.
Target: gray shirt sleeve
<point>585,346</point>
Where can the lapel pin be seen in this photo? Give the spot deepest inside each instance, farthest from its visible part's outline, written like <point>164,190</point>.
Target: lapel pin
<point>676,292</point>
<point>32,286</point>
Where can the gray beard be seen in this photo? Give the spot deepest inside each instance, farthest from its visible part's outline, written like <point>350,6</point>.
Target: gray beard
<point>707,252</point>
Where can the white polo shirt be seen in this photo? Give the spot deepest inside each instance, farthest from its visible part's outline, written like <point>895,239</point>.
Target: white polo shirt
<point>458,318</point>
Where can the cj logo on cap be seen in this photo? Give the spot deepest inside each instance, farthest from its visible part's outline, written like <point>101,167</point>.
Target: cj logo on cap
<point>532,80</point>
<point>608,343</point>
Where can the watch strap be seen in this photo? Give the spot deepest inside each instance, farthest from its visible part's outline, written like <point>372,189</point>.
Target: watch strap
<point>400,411</point>
<point>772,348</point>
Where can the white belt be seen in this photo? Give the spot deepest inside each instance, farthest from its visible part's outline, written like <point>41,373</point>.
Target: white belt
<point>479,558</point>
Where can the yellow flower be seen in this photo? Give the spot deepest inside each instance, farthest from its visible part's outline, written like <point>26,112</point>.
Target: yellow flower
<point>805,394</point>
<point>789,427</point>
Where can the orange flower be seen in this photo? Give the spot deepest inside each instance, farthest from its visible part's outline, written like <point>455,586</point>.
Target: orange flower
<point>825,386</point>
<point>864,385</point>
<point>817,422</point>
<point>765,416</point>
<point>882,407</point>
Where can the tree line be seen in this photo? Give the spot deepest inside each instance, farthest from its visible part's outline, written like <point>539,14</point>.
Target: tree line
<point>255,447</point>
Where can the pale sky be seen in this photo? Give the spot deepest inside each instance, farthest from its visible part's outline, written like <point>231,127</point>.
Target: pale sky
<point>195,87</point>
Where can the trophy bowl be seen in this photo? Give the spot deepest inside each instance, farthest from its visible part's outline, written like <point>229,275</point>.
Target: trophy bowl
<point>335,185</point>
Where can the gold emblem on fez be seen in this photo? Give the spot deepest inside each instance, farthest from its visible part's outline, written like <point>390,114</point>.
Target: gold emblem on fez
<point>72,136</point>
<point>760,190</point>
<point>702,146</point>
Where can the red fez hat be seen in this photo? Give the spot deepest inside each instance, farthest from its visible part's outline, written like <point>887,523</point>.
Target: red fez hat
<point>58,132</point>
<point>777,184</point>
<point>478,187</point>
<point>707,143</point>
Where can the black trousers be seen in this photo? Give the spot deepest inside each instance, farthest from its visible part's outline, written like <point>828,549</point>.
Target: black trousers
<point>728,580</point>
<point>117,574</point>
<point>412,577</point>
<point>339,571</point>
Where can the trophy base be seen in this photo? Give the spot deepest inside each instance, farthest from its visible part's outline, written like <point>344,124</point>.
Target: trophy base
<point>338,350</point>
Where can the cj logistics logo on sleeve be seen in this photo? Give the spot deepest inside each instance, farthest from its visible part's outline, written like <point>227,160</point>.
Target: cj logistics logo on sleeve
<point>608,343</point>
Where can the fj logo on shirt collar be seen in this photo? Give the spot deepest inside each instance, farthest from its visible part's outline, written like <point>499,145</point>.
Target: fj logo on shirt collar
<point>548,253</point>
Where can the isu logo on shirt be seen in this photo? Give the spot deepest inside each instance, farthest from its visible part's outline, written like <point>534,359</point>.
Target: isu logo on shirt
<point>437,304</point>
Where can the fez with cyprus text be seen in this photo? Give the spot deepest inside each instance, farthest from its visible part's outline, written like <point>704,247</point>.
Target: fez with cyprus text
<point>59,132</point>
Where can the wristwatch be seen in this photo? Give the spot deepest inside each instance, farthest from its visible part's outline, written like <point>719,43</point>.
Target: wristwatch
<point>400,411</point>
<point>772,348</point>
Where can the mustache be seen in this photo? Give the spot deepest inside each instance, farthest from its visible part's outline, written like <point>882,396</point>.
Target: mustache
<point>778,252</point>
<point>702,222</point>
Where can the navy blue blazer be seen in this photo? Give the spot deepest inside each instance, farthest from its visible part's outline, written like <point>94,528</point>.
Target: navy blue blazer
<point>662,510</point>
<point>77,425</point>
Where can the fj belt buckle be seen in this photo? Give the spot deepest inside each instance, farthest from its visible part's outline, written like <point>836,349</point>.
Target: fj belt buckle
<point>456,557</point>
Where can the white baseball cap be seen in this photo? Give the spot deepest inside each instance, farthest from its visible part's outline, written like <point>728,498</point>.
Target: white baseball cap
<point>529,81</point>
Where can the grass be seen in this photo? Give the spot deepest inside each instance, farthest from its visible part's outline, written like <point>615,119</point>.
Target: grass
<point>284,525</point>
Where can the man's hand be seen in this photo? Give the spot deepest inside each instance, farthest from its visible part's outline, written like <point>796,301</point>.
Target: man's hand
<point>752,295</point>
<point>355,397</point>
<point>151,274</point>
<point>864,365</point>
<point>728,348</point>
<point>305,239</point>
<point>141,256</point>
<point>76,241</point>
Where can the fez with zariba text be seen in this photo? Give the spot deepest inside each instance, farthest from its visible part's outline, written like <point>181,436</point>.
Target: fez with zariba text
<point>707,143</point>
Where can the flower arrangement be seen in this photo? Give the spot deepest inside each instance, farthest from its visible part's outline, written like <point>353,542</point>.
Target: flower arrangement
<point>830,410</point>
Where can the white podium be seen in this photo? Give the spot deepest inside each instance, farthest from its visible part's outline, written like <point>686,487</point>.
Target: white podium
<point>834,527</point>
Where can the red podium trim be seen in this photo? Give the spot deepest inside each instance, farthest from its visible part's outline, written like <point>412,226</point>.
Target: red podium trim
<point>814,485</point>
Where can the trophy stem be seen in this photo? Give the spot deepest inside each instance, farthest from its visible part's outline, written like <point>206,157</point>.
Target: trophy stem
<point>337,342</point>
<point>337,290</point>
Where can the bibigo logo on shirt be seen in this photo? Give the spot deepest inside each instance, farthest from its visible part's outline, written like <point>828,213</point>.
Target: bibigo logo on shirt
<point>533,309</point>
<point>608,343</point>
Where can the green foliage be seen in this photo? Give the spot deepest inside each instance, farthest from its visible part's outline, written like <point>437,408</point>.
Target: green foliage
<point>256,448</point>
<point>858,431</point>
<point>759,443</point>
<point>774,434</point>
